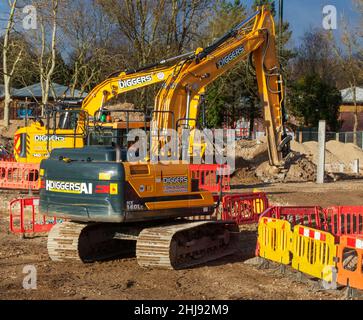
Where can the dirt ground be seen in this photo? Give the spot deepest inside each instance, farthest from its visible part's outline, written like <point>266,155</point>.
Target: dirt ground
<point>228,278</point>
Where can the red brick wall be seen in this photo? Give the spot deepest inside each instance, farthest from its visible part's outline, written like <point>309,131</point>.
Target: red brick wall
<point>348,121</point>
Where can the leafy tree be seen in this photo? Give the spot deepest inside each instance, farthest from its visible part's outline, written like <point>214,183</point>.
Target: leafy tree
<point>312,99</point>
<point>270,3</point>
<point>61,71</point>
<point>223,97</point>
<point>216,107</point>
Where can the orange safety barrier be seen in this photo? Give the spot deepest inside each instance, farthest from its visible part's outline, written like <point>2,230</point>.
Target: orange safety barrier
<point>211,177</point>
<point>25,217</point>
<point>21,176</point>
<point>350,261</point>
<point>345,220</point>
<point>244,208</point>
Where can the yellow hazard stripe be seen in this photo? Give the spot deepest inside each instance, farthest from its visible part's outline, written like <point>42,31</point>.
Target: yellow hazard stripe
<point>64,191</point>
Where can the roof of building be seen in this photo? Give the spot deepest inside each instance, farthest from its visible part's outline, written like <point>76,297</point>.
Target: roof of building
<point>35,91</point>
<point>347,95</point>
<point>2,91</point>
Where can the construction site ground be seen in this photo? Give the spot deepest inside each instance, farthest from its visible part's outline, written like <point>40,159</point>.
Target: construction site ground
<point>228,278</point>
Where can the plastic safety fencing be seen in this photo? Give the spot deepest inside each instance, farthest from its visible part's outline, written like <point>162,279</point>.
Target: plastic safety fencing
<point>244,208</point>
<point>350,261</point>
<point>314,252</point>
<point>313,217</point>
<point>211,177</point>
<point>242,132</point>
<point>345,220</point>
<point>25,217</point>
<point>308,250</point>
<point>331,251</point>
<point>19,176</point>
<point>274,240</point>
<point>7,158</point>
<point>338,220</point>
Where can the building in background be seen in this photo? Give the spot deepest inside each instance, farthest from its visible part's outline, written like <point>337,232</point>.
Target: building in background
<point>28,99</point>
<point>347,109</point>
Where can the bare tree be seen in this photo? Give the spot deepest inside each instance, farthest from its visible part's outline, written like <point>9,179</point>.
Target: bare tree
<point>86,34</point>
<point>155,29</point>
<point>359,4</point>
<point>8,69</point>
<point>350,65</point>
<point>315,55</point>
<point>47,65</point>
<point>44,43</point>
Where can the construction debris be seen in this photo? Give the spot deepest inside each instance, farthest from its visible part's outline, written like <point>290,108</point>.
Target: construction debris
<point>252,164</point>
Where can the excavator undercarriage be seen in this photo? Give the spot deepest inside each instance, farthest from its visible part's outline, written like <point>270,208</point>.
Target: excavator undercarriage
<point>168,245</point>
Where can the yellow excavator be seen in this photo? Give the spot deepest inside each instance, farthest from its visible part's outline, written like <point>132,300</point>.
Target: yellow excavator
<point>115,206</point>
<point>68,126</point>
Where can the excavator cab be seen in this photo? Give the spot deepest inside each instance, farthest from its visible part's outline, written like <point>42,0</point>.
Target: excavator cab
<point>64,115</point>
<point>110,127</point>
<point>55,129</point>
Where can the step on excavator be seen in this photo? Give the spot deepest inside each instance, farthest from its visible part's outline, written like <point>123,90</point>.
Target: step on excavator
<point>115,207</point>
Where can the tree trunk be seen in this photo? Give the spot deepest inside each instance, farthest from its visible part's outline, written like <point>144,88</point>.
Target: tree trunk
<point>355,127</point>
<point>8,74</point>
<point>45,74</point>
<point>7,102</point>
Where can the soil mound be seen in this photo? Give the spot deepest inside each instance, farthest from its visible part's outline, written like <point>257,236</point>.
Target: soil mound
<point>252,162</point>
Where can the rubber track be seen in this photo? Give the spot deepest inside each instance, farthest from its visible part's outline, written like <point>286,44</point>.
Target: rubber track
<point>63,241</point>
<point>155,246</point>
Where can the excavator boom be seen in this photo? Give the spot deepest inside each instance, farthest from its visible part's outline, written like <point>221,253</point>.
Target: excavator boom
<point>255,36</point>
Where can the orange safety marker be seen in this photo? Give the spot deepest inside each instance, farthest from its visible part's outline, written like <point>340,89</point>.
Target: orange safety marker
<point>350,264</point>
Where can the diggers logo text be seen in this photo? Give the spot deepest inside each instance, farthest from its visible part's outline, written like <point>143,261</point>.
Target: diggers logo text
<point>135,81</point>
<point>175,184</point>
<point>232,56</point>
<point>69,187</point>
<point>44,138</point>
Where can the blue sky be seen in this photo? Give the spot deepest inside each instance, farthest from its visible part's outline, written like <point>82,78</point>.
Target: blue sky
<point>305,14</point>
<point>302,14</point>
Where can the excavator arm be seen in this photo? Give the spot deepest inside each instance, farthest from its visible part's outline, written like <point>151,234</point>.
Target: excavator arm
<point>122,83</point>
<point>127,81</point>
<point>255,36</point>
